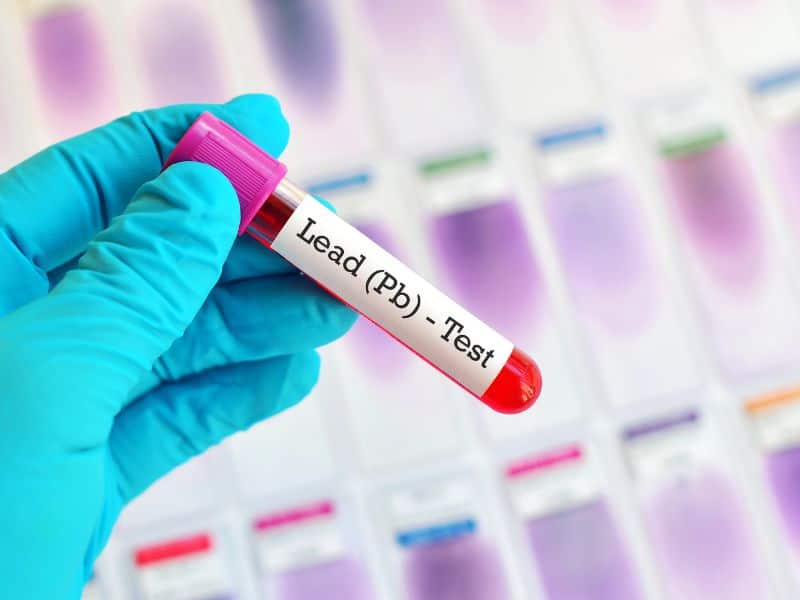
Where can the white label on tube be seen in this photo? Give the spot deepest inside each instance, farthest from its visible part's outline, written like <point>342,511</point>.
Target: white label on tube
<point>297,545</point>
<point>387,292</point>
<point>778,428</point>
<point>552,490</point>
<point>194,576</point>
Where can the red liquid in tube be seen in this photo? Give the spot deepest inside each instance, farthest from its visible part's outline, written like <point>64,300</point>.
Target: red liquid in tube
<point>286,219</point>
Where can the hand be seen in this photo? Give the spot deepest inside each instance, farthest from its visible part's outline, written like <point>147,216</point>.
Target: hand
<point>163,338</point>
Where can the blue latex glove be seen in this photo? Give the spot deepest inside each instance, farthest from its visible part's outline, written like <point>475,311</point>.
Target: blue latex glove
<point>149,349</point>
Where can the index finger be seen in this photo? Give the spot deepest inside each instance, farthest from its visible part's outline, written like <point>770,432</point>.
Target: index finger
<point>52,204</point>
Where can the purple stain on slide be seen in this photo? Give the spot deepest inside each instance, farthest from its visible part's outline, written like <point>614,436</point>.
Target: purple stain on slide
<point>71,69</point>
<point>383,356</point>
<point>343,579</point>
<point>716,203</point>
<point>179,53</point>
<point>783,471</point>
<point>489,265</point>
<point>582,556</point>
<point>600,240</point>
<point>699,532</point>
<point>301,36</point>
<point>462,568</point>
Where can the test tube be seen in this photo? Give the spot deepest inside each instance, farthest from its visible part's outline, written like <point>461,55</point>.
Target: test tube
<point>348,264</point>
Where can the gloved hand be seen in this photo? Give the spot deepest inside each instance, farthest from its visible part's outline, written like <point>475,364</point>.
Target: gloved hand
<point>162,339</point>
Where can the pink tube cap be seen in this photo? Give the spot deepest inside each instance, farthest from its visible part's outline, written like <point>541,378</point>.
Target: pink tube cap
<point>253,173</point>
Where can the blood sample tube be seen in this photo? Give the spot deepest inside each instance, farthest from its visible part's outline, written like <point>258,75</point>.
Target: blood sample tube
<point>350,266</point>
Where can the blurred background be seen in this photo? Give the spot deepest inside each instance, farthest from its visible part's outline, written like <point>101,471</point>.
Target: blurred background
<point>614,184</point>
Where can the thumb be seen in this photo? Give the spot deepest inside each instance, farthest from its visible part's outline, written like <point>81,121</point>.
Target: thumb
<point>136,289</point>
